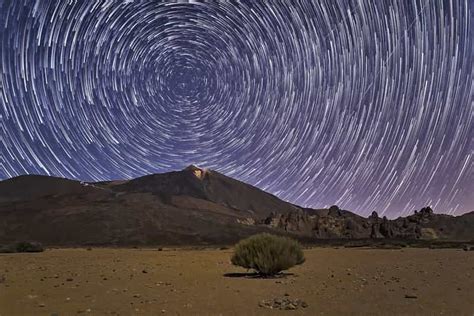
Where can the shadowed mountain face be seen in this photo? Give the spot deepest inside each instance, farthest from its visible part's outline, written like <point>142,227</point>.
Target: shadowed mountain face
<point>192,206</point>
<point>210,186</point>
<point>24,188</point>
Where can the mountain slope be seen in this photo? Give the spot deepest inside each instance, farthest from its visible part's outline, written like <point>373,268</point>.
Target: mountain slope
<point>211,186</point>
<point>191,206</point>
<point>30,187</point>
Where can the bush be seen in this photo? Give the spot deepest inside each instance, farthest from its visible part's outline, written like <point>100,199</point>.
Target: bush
<point>267,254</point>
<point>22,247</point>
<point>29,247</point>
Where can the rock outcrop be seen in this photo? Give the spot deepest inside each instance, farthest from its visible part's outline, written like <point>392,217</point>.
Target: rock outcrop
<point>336,223</point>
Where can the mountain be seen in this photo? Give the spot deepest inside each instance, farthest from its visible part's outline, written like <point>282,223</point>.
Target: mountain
<point>191,206</point>
<point>211,186</point>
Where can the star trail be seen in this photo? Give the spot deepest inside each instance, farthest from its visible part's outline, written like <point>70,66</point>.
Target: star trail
<point>365,104</point>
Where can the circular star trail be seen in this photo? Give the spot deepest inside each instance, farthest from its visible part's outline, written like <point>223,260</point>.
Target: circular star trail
<point>364,104</point>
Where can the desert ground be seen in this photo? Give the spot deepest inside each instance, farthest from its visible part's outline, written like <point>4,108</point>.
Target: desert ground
<point>203,282</point>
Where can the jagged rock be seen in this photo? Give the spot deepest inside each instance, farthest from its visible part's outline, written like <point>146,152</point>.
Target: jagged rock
<point>291,222</point>
<point>373,232</point>
<point>350,225</point>
<point>386,228</point>
<point>335,210</point>
<point>341,224</point>
<point>417,231</point>
<point>426,211</point>
<point>374,216</point>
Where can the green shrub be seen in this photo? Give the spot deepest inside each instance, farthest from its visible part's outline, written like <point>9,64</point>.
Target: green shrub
<point>22,247</point>
<point>29,247</point>
<point>267,254</point>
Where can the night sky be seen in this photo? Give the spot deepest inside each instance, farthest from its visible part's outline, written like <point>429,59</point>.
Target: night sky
<point>365,104</point>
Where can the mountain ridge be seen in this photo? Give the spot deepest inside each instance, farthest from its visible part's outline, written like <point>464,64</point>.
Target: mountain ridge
<point>190,206</point>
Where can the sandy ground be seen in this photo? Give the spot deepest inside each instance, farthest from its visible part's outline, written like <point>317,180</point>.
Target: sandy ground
<point>194,282</point>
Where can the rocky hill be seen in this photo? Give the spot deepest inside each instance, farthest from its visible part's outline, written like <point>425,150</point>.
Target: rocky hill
<point>334,223</point>
<point>191,206</point>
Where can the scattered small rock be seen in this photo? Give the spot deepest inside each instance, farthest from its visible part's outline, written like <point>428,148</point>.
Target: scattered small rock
<point>283,303</point>
<point>144,271</point>
<point>410,296</point>
<point>69,279</point>
<point>468,248</point>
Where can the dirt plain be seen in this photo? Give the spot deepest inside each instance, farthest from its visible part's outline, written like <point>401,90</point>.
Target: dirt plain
<point>342,281</point>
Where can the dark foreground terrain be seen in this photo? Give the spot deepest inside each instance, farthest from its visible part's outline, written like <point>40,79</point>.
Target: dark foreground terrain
<point>332,281</point>
<point>193,206</point>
